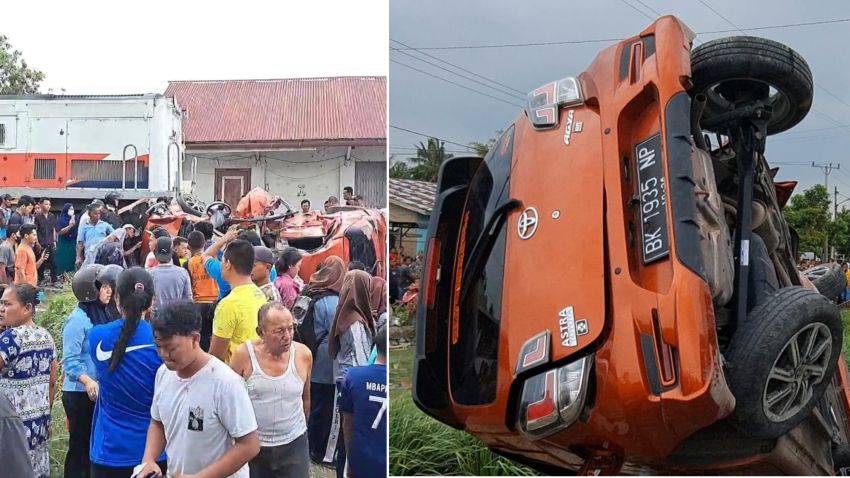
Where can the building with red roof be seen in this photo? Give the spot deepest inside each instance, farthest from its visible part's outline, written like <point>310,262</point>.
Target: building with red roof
<point>300,138</point>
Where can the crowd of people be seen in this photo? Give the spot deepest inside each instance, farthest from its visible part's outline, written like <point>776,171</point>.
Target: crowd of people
<point>208,356</point>
<point>405,272</point>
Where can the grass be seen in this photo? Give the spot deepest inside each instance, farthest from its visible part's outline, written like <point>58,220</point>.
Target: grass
<point>420,445</point>
<point>52,317</point>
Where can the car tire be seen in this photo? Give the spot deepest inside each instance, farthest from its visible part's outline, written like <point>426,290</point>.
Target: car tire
<point>828,278</point>
<point>719,69</point>
<point>190,205</point>
<point>773,394</point>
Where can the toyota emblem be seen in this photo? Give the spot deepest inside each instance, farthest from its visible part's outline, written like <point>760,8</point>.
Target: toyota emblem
<point>527,224</point>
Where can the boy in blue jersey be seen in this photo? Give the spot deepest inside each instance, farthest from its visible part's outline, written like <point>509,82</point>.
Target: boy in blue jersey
<point>363,405</point>
<point>125,357</point>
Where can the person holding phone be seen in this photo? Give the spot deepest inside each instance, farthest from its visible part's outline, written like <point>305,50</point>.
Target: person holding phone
<point>26,266</point>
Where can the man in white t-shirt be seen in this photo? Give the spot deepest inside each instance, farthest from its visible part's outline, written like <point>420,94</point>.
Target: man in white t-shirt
<point>201,413</point>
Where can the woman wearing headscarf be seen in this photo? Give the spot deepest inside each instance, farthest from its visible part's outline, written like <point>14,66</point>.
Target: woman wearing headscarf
<point>66,229</point>
<point>354,324</point>
<point>323,288</point>
<point>93,286</point>
<point>352,333</point>
<point>378,301</point>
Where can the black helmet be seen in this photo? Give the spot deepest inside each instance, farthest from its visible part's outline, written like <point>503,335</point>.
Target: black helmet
<point>111,197</point>
<point>83,284</point>
<point>109,275</point>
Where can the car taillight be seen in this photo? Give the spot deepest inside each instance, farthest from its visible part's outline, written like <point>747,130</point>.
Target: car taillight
<point>552,400</point>
<point>432,263</point>
<point>544,102</point>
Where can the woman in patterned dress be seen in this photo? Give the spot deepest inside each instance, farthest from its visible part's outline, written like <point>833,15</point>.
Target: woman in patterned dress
<point>28,369</point>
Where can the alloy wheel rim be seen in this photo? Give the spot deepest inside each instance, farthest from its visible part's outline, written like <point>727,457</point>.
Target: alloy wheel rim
<point>799,367</point>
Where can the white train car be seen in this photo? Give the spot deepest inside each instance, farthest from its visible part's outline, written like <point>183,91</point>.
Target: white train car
<point>81,147</point>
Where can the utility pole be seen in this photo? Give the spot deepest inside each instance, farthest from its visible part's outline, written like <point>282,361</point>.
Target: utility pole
<point>826,168</point>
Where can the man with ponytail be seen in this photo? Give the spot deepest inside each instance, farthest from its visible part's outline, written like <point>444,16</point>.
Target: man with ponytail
<point>125,358</point>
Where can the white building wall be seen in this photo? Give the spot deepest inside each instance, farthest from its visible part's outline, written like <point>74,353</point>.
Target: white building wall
<point>313,174</point>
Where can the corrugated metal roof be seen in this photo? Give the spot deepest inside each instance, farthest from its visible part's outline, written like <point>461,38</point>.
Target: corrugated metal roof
<point>82,97</point>
<point>417,196</point>
<point>300,109</point>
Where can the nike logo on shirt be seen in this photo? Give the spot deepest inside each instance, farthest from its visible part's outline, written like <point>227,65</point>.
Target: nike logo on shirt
<point>103,355</point>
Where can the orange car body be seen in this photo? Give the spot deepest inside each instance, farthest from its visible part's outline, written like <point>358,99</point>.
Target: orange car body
<point>656,375</point>
<point>320,236</point>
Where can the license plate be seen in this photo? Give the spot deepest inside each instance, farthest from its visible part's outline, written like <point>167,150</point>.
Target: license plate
<point>653,200</point>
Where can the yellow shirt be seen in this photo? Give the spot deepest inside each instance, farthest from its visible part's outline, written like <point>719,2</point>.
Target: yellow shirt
<point>236,316</point>
<point>847,274</point>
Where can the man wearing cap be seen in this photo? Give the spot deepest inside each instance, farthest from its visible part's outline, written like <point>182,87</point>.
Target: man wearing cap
<point>263,263</point>
<point>5,213</point>
<point>171,283</point>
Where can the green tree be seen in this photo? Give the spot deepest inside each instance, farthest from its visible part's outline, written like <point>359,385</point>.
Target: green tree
<point>429,158</point>
<point>808,214</point>
<point>481,149</point>
<point>400,170</point>
<point>16,77</point>
<point>840,233</point>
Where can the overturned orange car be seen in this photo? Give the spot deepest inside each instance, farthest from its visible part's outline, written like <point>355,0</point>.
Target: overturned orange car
<point>351,233</point>
<point>594,299</point>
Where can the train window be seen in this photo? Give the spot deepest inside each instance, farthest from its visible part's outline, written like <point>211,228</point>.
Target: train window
<point>44,169</point>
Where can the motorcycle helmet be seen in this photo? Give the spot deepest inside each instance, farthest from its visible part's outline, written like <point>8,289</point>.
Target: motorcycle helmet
<point>83,283</point>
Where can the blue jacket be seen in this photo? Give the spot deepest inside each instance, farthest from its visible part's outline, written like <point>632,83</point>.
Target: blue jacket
<point>76,359</point>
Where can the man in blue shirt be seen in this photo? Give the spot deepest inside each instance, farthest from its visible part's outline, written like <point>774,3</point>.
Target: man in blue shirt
<point>212,262</point>
<point>363,405</point>
<point>91,233</point>
<point>5,213</point>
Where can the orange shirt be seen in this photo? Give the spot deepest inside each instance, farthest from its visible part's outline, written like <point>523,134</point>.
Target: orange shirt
<point>25,269</point>
<point>204,287</point>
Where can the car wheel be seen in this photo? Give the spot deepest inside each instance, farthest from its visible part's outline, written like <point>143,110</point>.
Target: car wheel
<point>739,69</point>
<point>828,278</point>
<point>780,361</point>
<point>191,205</point>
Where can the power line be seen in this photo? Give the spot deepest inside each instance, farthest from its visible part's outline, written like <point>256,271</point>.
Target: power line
<point>455,66</point>
<point>455,83</point>
<point>608,40</point>
<point>513,95</point>
<point>428,136</point>
<point>650,9</point>
<point>637,10</point>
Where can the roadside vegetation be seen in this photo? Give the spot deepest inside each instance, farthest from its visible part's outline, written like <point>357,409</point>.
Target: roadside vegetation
<point>420,445</point>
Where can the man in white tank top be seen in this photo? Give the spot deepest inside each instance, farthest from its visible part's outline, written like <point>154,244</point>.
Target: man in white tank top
<point>277,372</point>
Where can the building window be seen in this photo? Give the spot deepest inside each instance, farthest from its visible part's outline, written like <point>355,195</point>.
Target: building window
<point>45,169</point>
<point>2,134</point>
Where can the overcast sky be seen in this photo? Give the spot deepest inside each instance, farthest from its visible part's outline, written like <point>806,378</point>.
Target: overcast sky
<point>429,105</point>
<point>96,47</point>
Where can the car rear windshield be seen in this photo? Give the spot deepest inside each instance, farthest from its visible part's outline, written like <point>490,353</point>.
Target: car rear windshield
<point>474,349</point>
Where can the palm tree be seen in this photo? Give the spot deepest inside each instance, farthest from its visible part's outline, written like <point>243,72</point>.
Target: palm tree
<point>399,170</point>
<point>429,158</point>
